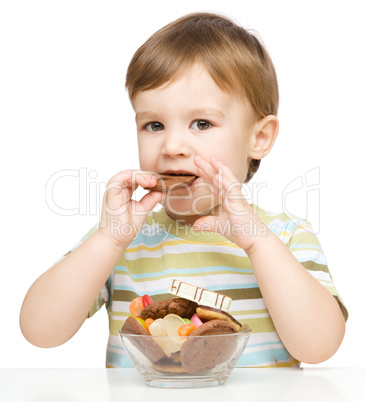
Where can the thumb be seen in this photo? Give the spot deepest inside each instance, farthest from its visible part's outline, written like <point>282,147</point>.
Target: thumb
<point>150,200</point>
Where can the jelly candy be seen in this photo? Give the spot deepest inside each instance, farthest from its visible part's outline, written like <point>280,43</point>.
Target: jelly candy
<point>185,330</point>
<point>148,322</point>
<point>146,300</point>
<point>156,328</point>
<point>136,306</point>
<point>196,320</point>
<point>168,345</point>
<point>171,324</point>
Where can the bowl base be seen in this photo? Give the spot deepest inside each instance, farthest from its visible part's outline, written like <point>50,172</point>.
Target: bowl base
<point>186,381</point>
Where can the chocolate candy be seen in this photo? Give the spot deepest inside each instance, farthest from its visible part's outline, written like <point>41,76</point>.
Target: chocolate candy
<point>199,295</point>
<point>182,307</point>
<point>165,182</point>
<point>201,353</point>
<point>146,345</point>
<point>206,313</point>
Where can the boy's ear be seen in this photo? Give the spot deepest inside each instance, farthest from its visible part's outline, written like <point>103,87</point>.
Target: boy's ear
<point>265,132</point>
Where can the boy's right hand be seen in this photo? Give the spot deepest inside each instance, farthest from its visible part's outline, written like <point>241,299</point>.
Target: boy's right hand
<point>121,217</point>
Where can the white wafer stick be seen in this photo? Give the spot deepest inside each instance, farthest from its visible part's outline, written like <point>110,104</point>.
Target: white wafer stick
<point>201,296</point>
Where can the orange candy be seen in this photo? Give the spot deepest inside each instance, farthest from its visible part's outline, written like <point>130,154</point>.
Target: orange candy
<point>136,306</point>
<point>185,330</point>
<point>148,322</point>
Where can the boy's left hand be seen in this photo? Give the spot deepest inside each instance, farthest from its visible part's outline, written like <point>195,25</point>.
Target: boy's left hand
<point>236,220</point>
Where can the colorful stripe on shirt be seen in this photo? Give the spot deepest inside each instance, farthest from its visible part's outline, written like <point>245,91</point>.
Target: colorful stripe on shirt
<point>165,249</point>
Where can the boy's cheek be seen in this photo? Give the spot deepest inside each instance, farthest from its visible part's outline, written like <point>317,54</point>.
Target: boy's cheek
<point>146,166</point>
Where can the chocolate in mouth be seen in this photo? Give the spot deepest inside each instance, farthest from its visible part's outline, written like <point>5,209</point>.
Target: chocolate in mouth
<point>178,174</point>
<point>172,181</point>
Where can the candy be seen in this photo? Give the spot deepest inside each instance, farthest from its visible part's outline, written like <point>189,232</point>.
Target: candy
<point>148,322</point>
<point>169,345</point>
<point>156,328</point>
<point>209,313</point>
<point>146,300</point>
<point>139,319</point>
<point>199,295</point>
<point>171,324</point>
<point>185,330</point>
<point>196,320</point>
<point>136,306</point>
<point>187,321</point>
<point>166,182</point>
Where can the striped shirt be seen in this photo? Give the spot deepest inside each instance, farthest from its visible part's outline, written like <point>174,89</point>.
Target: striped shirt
<point>165,249</point>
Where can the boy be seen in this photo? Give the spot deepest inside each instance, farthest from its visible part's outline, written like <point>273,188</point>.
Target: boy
<point>205,95</point>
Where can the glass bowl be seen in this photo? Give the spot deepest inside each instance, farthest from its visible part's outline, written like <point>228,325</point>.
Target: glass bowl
<point>185,361</point>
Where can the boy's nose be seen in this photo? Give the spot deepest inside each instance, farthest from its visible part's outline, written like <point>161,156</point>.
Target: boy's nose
<point>175,144</point>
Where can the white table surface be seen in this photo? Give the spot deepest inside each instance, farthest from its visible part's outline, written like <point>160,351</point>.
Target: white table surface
<point>244,384</point>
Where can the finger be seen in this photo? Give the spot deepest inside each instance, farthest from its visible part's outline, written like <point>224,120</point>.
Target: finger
<point>208,182</point>
<point>131,179</point>
<point>120,187</point>
<point>221,168</point>
<point>118,184</point>
<point>231,195</point>
<point>230,188</point>
<point>205,168</point>
<point>216,169</point>
<point>207,172</point>
<point>120,178</point>
<point>126,175</point>
<point>224,174</point>
<point>143,179</point>
<point>150,200</point>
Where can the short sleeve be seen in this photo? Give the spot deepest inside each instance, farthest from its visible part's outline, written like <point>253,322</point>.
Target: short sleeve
<point>305,246</point>
<point>101,299</point>
<point>103,296</point>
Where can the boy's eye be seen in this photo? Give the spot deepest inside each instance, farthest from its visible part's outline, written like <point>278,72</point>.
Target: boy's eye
<point>201,125</point>
<point>154,126</point>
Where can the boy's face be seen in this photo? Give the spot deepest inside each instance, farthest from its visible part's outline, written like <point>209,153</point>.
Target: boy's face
<point>192,116</point>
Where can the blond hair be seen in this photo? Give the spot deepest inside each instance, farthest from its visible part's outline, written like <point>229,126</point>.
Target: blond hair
<point>236,60</point>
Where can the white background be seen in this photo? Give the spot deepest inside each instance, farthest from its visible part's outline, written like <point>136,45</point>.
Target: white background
<point>63,107</point>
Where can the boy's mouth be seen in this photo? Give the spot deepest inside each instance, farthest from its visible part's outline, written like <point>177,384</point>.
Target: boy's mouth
<point>178,173</point>
<point>185,174</point>
<point>191,184</point>
<point>168,182</point>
